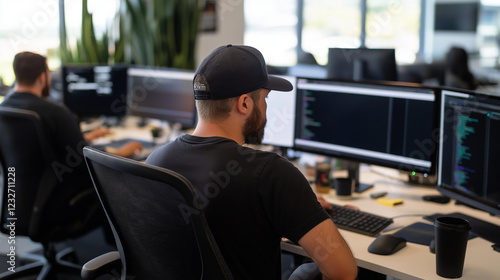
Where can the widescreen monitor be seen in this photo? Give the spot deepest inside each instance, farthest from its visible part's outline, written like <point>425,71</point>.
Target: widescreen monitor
<point>362,64</point>
<point>162,93</point>
<point>95,90</point>
<point>381,124</point>
<point>456,17</point>
<point>469,150</point>
<point>280,126</point>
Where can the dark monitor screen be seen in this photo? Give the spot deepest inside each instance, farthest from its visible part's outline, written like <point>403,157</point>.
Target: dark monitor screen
<point>469,151</point>
<point>162,93</point>
<point>362,64</point>
<point>388,125</point>
<point>280,114</point>
<point>95,90</point>
<point>456,17</point>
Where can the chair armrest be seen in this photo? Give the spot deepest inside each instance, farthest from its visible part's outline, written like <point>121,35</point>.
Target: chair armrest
<point>102,265</point>
<point>306,271</point>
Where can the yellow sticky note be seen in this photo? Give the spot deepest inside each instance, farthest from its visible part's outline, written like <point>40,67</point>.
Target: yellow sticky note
<point>389,201</point>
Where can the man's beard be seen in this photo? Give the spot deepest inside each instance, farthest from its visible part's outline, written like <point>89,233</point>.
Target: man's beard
<point>253,129</point>
<point>46,88</point>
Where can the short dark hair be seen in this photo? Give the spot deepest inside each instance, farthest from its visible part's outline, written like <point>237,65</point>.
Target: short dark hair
<point>219,109</point>
<point>28,66</point>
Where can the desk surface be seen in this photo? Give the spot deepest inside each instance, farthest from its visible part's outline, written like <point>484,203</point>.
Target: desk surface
<point>415,261</point>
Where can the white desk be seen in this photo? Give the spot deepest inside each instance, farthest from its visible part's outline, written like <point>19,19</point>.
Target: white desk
<point>128,128</point>
<point>415,261</point>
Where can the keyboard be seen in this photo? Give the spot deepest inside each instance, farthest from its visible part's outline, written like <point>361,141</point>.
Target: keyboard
<point>358,221</point>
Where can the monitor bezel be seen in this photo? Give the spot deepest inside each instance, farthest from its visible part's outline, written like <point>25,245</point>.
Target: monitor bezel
<point>120,98</point>
<point>362,64</point>
<point>172,120</point>
<point>447,190</point>
<point>371,160</point>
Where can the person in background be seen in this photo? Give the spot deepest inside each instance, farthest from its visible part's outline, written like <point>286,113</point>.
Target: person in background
<point>251,198</point>
<point>62,131</point>
<point>457,73</point>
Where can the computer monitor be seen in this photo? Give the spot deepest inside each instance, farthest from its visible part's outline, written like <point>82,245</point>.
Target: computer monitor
<point>162,93</point>
<point>95,90</point>
<point>280,126</point>
<point>382,124</point>
<point>362,64</point>
<point>461,17</point>
<point>469,149</point>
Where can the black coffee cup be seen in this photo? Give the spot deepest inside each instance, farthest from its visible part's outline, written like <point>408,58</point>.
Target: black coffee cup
<point>343,188</point>
<point>451,235</point>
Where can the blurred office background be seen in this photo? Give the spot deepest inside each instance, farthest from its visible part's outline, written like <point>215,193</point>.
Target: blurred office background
<point>420,31</point>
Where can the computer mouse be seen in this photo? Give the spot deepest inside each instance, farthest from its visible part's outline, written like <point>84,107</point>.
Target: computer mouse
<point>387,244</point>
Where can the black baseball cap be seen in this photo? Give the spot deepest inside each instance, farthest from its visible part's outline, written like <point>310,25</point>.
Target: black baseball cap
<point>231,70</point>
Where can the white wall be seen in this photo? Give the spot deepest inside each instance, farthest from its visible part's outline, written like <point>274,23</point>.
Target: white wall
<point>230,29</point>
<point>442,41</point>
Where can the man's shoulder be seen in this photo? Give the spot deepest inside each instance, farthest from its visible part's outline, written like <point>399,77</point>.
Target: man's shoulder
<point>23,100</point>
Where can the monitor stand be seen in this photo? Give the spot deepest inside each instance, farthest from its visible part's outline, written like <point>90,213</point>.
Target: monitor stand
<point>353,173</point>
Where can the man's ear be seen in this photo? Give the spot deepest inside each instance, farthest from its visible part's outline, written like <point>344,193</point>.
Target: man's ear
<point>42,78</point>
<point>244,104</point>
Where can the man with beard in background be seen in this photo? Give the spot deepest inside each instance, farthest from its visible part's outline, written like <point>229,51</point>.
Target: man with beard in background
<point>63,134</point>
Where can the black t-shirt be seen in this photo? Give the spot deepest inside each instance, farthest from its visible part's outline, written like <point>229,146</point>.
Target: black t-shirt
<point>63,134</point>
<point>251,199</point>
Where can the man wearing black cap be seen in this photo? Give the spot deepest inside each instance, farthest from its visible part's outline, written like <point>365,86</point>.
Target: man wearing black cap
<point>251,198</point>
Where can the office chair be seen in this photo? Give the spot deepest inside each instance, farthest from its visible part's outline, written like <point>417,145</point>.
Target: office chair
<point>160,231</point>
<point>31,191</point>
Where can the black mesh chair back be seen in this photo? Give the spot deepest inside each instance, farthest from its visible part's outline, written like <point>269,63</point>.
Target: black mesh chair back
<point>160,231</point>
<point>28,183</point>
<point>28,176</point>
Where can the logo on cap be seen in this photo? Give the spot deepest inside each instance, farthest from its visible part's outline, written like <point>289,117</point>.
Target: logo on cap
<point>199,86</point>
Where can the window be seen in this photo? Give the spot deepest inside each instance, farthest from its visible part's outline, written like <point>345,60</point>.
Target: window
<point>329,24</point>
<point>394,24</point>
<point>33,25</point>
<point>489,36</point>
<point>270,26</point>
<point>27,25</point>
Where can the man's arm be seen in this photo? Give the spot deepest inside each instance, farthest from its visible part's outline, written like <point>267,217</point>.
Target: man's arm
<point>126,150</point>
<point>329,251</point>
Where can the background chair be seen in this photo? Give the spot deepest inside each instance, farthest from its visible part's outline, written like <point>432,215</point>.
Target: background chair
<point>35,182</point>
